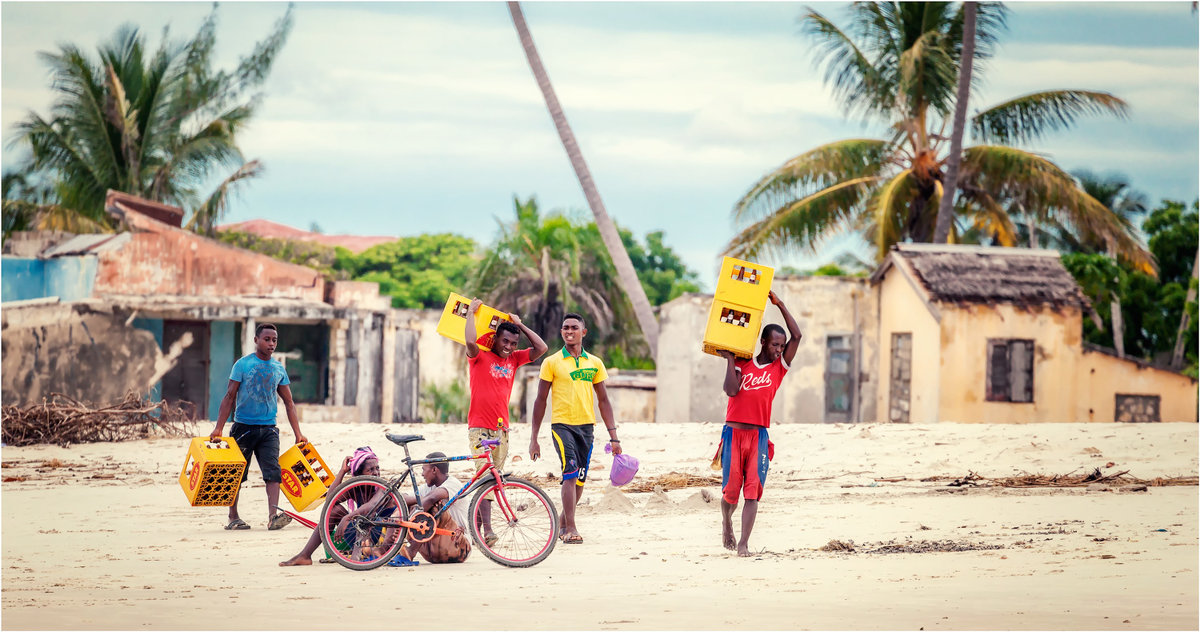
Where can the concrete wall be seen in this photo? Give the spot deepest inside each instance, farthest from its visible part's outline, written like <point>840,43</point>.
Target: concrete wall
<point>221,357</point>
<point>965,332</point>
<point>1101,377</point>
<point>155,327</point>
<point>632,395</point>
<point>690,381</point>
<point>69,278</point>
<point>901,310</point>
<point>83,351</point>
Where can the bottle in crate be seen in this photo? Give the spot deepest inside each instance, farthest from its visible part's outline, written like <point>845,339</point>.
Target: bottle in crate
<point>212,472</point>
<point>306,478</point>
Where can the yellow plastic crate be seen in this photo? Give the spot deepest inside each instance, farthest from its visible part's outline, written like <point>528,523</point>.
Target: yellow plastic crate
<point>744,283</point>
<point>305,476</point>
<point>454,320</point>
<point>212,472</point>
<point>733,328</point>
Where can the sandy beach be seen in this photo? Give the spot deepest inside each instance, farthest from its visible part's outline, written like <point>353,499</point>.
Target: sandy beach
<point>100,536</point>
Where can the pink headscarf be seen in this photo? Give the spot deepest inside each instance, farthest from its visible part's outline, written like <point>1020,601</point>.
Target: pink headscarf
<point>359,459</point>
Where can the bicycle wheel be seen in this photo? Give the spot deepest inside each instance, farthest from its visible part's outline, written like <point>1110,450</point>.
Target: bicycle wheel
<point>360,523</point>
<point>523,521</point>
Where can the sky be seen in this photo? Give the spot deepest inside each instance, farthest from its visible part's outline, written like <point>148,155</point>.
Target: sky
<point>397,119</point>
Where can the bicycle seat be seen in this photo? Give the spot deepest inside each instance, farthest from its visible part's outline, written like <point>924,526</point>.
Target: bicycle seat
<point>403,439</point>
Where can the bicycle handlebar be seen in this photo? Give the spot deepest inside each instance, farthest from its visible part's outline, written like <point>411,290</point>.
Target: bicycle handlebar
<point>490,443</point>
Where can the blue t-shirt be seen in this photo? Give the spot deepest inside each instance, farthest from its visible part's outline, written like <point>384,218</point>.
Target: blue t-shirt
<point>258,393</point>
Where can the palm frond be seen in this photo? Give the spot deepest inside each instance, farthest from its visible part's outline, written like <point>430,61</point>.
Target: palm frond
<point>1032,116</point>
<point>206,217</point>
<point>804,223</point>
<point>888,209</point>
<point>855,79</point>
<point>1044,188</point>
<point>813,171</point>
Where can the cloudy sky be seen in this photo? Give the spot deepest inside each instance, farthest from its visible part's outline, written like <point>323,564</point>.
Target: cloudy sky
<point>406,118</point>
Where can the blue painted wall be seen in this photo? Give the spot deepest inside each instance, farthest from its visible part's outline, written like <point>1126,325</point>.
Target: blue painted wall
<point>68,278</point>
<point>22,279</point>
<point>154,326</point>
<point>220,363</point>
<point>71,278</point>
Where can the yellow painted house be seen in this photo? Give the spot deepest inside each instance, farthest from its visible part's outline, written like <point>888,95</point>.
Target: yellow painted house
<point>994,335</point>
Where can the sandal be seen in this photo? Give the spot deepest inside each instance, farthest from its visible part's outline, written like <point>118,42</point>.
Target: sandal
<point>574,538</point>
<point>491,539</point>
<point>237,524</point>
<point>278,521</point>
<point>400,560</point>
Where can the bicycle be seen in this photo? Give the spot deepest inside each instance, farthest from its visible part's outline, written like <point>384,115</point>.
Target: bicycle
<point>365,521</point>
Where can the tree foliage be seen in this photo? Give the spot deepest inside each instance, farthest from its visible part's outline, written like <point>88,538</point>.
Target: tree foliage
<point>157,124</point>
<point>418,271</point>
<point>1151,307</point>
<point>545,265</point>
<point>897,64</point>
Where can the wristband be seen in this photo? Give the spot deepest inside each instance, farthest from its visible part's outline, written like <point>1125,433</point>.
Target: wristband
<point>614,440</point>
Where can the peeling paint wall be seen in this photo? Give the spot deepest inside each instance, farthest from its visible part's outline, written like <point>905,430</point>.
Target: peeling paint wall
<point>901,310</point>
<point>83,351</point>
<point>1102,377</point>
<point>965,333</point>
<point>69,278</point>
<point>176,262</point>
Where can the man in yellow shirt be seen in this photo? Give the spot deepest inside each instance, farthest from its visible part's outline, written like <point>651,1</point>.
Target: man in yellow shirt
<point>577,381</point>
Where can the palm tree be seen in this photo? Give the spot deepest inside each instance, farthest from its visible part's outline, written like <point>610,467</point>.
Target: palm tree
<point>945,216</point>
<point>626,275</point>
<point>155,125</point>
<point>899,67</point>
<point>543,267</point>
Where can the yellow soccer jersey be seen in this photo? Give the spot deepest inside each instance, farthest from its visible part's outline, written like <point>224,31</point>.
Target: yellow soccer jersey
<point>573,398</point>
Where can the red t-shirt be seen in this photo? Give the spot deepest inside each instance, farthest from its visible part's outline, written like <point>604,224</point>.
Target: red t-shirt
<point>491,387</point>
<point>752,404</point>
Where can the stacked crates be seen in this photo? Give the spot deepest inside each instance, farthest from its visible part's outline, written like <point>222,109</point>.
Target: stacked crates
<point>454,320</point>
<point>305,477</point>
<point>735,319</point>
<point>212,472</point>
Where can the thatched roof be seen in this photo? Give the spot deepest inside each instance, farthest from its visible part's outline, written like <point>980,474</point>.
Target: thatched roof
<point>976,274</point>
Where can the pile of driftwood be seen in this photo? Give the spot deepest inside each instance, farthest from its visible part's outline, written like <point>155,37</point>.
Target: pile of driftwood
<point>673,480</point>
<point>62,420</point>
<point>1071,479</point>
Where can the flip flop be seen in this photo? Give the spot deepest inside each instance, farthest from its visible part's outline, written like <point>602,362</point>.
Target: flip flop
<point>574,538</point>
<point>278,521</point>
<point>400,560</point>
<point>491,539</point>
<point>237,524</point>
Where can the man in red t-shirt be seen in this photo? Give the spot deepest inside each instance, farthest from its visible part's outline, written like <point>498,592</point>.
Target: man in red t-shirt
<point>745,449</point>
<point>492,374</point>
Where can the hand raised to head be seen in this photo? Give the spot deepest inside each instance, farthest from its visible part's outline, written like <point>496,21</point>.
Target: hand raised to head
<point>516,320</point>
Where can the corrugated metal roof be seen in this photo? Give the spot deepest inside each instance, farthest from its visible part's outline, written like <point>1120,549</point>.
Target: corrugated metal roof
<point>87,244</point>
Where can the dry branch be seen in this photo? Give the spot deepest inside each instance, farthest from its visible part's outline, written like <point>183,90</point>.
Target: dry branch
<point>63,420</point>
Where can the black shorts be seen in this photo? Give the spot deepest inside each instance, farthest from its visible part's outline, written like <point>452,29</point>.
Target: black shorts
<point>263,443</point>
<point>574,447</point>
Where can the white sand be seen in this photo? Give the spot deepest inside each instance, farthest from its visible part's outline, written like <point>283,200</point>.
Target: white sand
<point>128,552</point>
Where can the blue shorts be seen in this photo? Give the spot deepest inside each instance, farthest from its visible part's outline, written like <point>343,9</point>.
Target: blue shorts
<point>261,442</point>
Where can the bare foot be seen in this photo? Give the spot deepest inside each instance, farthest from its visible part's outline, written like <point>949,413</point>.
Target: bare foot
<point>727,537</point>
<point>744,551</point>
<point>298,560</point>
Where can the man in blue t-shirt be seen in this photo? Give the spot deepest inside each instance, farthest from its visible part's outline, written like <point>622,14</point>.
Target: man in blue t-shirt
<point>254,383</point>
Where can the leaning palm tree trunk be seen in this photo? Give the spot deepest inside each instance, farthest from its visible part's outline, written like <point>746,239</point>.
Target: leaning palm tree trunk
<point>608,231</point>
<point>945,214</point>
<point>1118,323</point>
<point>1177,354</point>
